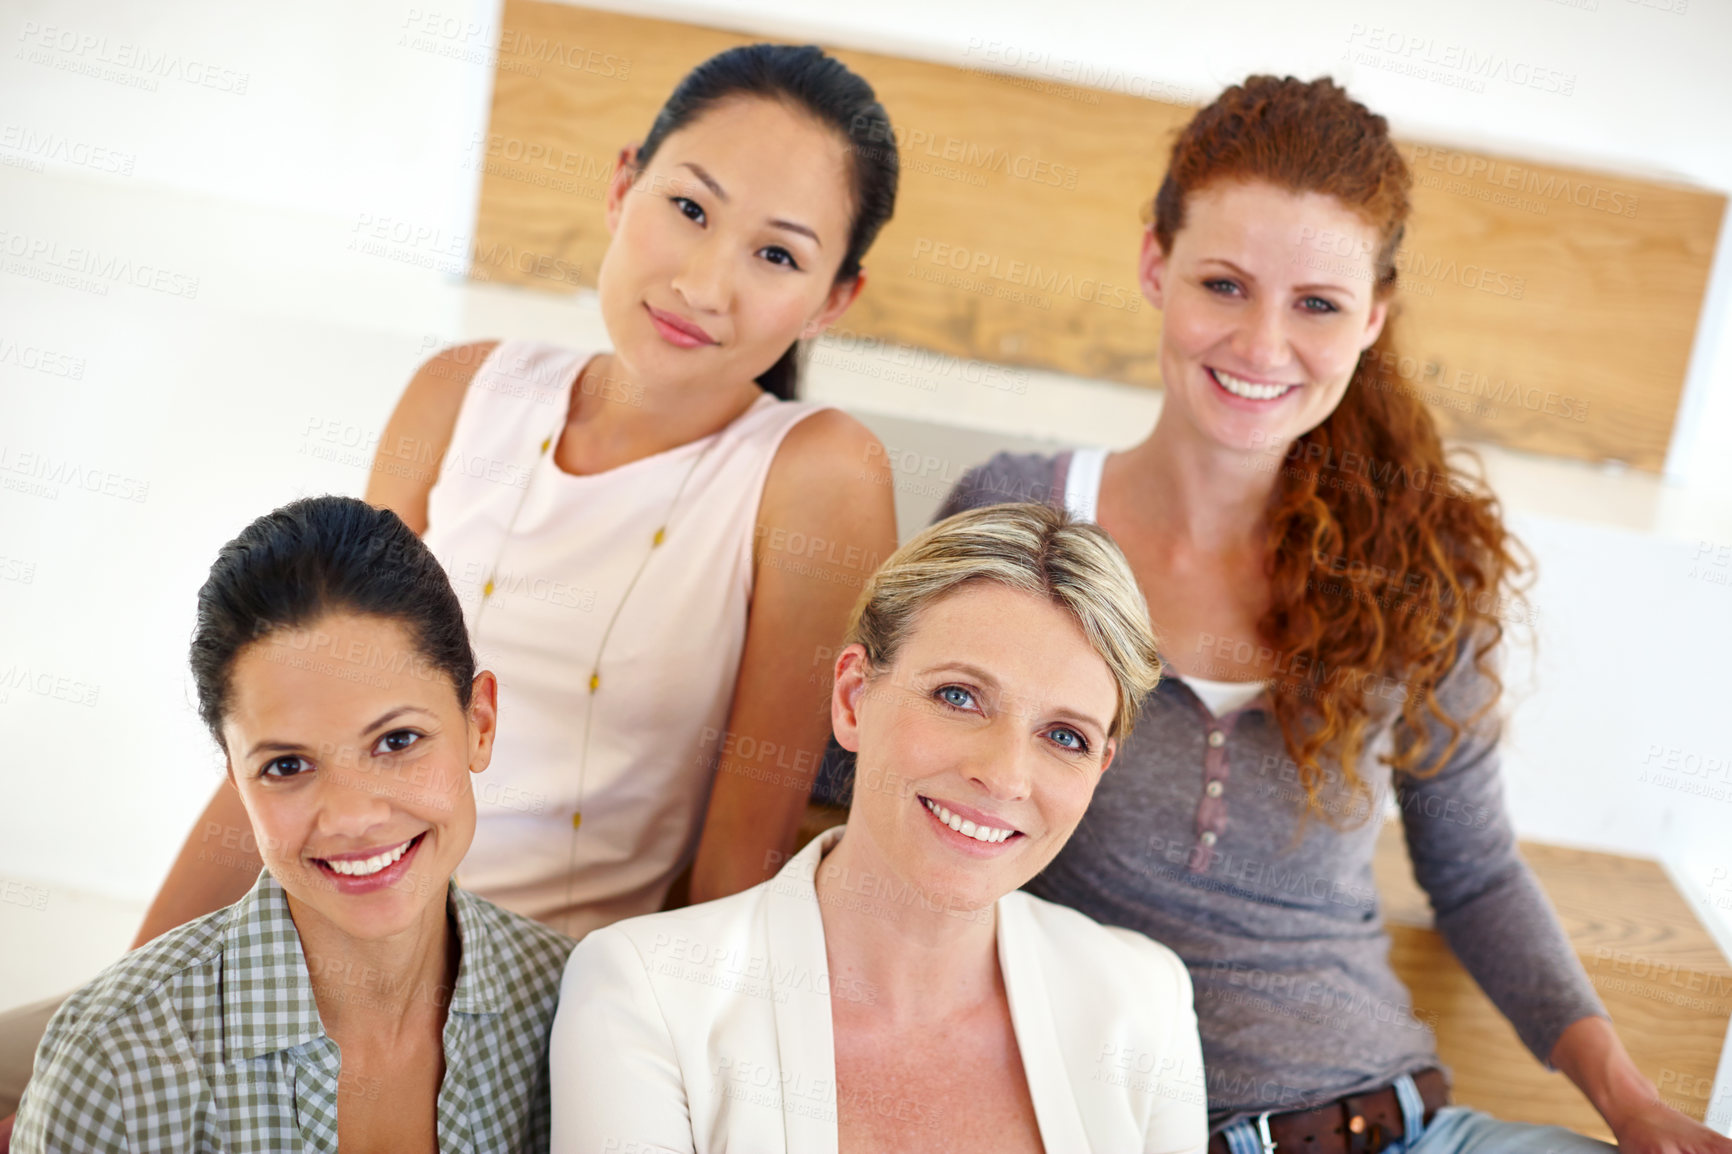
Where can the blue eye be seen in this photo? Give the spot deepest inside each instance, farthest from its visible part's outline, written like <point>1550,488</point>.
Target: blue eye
<point>776,254</point>
<point>1326,306</point>
<point>397,741</point>
<point>955,696</point>
<point>292,764</point>
<point>1077,743</point>
<point>689,208</point>
<point>1220,286</point>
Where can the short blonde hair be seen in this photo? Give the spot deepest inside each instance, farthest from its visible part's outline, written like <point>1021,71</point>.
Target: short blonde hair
<point>1028,547</point>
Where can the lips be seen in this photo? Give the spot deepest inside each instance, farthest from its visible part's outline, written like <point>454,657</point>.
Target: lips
<point>370,869</point>
<point>971,825</point>
<point>678,331</point>
<point>1249,390</point>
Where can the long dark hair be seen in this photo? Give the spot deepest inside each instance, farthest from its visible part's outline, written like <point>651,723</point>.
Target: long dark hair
<point>313,557</point>
<point>822,86</point>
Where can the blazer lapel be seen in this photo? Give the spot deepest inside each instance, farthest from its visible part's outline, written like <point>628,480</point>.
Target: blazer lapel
<point>800,984</point>
<point>1031,1016</point>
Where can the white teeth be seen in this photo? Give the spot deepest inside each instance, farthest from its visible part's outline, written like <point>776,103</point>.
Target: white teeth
<point>983,833</point>
<point>1241,388</point>
<point>372,865</point>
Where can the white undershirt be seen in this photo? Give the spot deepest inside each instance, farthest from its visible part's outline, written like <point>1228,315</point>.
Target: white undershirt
<point>1082,485</point>
<point>1082,493</point>
<point>1223,697</point>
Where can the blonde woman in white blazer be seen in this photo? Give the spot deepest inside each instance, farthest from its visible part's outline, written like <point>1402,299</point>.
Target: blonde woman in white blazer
<point>891,988</point>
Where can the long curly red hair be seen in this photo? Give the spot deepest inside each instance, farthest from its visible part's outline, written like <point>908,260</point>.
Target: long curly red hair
<point>1387,562</point>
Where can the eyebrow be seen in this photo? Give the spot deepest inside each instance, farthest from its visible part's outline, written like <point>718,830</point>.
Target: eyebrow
<point>987,680</point>
<point>1064,714</point>
<point>709,181</point>
<point>775,222</point>
<point>392,714</point>
<point>295,746</point>
<point>791,226</point>
<point>973,671</point>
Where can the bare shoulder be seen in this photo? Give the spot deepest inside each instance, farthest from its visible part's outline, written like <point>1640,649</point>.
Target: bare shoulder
<point>420,429</point>
<point>828,455</point>
<point>435,393</point>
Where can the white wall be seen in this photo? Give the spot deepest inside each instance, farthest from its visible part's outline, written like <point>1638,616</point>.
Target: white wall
<point>222,402</point>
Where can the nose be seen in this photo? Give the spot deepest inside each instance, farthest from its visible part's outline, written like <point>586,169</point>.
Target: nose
<point>353,801</point>
<point>1261,342</point>
<point>1002,764</point>
<point>705,281</point>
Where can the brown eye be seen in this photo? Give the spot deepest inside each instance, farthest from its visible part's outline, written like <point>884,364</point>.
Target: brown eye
<point>283,767</point>
<point>397,741</point>
<point>689,208</point>
<point>776,254</point>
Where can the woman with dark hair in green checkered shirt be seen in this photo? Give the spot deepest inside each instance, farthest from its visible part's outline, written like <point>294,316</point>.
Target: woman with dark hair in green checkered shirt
<point>355,996</point>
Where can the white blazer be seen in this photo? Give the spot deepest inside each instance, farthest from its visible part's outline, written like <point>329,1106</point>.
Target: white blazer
<point>708,1029</point>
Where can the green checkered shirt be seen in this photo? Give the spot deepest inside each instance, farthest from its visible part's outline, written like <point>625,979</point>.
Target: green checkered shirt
<point>208,1038</point>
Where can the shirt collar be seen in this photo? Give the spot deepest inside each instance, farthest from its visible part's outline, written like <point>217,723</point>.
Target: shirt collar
<point>480,982</point>
<point>267,996</point>
<point>268,1002</point>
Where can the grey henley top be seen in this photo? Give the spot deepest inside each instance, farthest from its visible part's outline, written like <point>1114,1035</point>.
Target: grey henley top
<point>1195,838</point>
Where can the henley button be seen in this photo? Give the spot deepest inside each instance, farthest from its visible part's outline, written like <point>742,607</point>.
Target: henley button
<point>1217,739</point>
<point>1214,789</point>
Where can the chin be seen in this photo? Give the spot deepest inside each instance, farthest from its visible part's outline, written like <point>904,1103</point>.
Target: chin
<point>379,916</point>
<point>961,891</point>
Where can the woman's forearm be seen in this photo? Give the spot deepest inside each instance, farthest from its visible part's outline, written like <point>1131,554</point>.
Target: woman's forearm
<point>217,866</point>
<point>1590,1054</point>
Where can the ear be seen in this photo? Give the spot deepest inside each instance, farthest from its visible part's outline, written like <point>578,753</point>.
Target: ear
<point>845,694</point>
<point>625,171</point>
<point>1109,752</point>
<point>483,719</point>
<point>1152,270</point>
<point>1374,324</point>
<point>842,294</point>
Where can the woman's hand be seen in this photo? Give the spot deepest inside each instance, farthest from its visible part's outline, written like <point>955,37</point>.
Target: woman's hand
<point>1655,1128</point>
<point>1589,1052</point>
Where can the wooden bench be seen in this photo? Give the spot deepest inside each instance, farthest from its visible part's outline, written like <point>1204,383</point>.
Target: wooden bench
<point>1660,974</point>
<point>1662,977</point>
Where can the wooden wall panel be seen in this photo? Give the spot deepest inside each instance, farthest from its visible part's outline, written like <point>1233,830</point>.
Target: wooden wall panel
<point>1547,309</point>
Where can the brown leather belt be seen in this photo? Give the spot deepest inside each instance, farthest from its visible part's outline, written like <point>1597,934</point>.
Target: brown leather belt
<point>1355,1124</point>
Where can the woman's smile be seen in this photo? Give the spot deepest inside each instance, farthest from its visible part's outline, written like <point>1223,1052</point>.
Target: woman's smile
<point>678,331</point>
<point>968,829</point>
<point>370,870</point>
<point>1249,388</point>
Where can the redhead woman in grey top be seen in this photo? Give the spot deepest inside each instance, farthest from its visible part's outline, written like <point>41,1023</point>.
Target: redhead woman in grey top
<point>1239,826</point>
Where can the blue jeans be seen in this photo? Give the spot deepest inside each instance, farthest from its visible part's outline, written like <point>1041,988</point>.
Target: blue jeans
<point>1458,1130</point>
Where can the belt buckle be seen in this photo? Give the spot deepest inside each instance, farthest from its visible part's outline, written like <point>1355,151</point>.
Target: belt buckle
<point>1263,1135</point>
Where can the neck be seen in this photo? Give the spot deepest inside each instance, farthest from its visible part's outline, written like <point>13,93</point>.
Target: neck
<point>920,955</point>
<point>619,415</point>
<point>1199,495</point>
<point>379,986</point>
